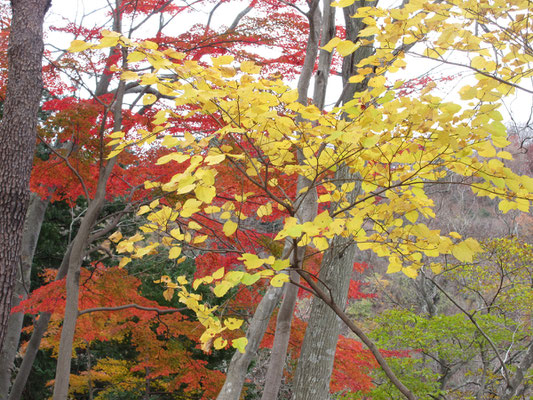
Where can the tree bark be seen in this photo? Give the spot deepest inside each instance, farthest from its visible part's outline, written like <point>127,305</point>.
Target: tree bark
<point>32,348</point>
<point>241,361</point>
<point>77,253</point>
<point>307,206</point>
<point>315,364</point>
<point>32,228</point>
<point>17,138</point>
<point>317,355</point>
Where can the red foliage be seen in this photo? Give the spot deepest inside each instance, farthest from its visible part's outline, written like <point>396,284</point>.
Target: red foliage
<point>157,338</point>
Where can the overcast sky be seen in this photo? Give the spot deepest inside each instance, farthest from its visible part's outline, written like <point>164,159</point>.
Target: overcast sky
<point>520,105</point>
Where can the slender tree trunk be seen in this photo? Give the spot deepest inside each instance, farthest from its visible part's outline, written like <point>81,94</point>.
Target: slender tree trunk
<point>315,366</point>
<point>241,361</point>
<point>321,31</point>
<point>17,138</point>
<point>79,245</point>
<point>281,340</point>
<point>77,253</point>
<point>32,348</point>
<point>32,228</point>
<point>307,210</point>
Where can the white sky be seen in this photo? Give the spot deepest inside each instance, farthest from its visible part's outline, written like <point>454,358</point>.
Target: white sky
<point>518,107</point>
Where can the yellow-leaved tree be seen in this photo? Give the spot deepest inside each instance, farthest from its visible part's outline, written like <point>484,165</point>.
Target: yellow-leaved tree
<point>280,180</point>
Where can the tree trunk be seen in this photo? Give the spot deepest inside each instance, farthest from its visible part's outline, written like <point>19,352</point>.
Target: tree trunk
<point>32,228</point>
<point>77,253</point>
<point>317,355</point>
<point>17,138</point>
<point>281,340</point>
<point>315,364</point>
<point>241,361</point>
<point>39,330</point>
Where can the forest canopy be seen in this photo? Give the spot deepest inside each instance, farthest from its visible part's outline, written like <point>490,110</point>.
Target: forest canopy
<point>266,204</point>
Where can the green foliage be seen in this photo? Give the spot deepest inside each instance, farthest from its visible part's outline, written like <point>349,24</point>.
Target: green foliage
<point>447,349</point>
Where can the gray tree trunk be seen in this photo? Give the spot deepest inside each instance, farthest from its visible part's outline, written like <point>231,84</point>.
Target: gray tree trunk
<point>241,361</point>
<point>307,207</point>
<point>17,138</point>
<point>32,348</point>
<point>77,253</point>
<point>32,228</point>
<point>315,366</point>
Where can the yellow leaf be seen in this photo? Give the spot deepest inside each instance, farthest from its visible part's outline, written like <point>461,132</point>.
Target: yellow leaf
<point>150,45</point>
<point>170,141</point>
<point>108,41</point>
<point>199,239</point>
<point>410,272</point>
<point>219,273</point>
<point>79,45</point>
<point>222,288</point>
<point>436,268</point>
<point>506,205</point>
<point>167,294</point>
<point>331,44</point>
<point>279,265</point>
<point>455,235</point>
<point>412,216</point>
<point>124,261</point>
<point>129,76</point>
<point>342,3</point>
<point>149,98</point>
<point>478,63</point>
<point>178,157</point>
<point>215,159</point>
<point>251,261</point>
<point>143,210</point>
<point>174,252</point>
<point>356,78</point>
<point>240,344</point>
<point>205,194</point>
<point>347,47</point>
<point>395,265</point>
<point>220,343</point>
<point>289,96</point>
<point>136,56</point>
<point>222,60</point>
<point>113,153</point>
<point>466,250</point>
<point>229,227</point>
<point>233,323</point>
<point>264,210</point>
<point>249,279</point>
<point>250,67</point>
<point>115,237</point>
<point>116,135</point>
<point>279,279</point>
<point>321,243</point>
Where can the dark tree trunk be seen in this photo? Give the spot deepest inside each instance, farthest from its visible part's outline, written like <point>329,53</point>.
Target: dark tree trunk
<point>17,137</point>
<point>32,228</point>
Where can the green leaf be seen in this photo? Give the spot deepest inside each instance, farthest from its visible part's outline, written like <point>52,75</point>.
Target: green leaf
<point>240,344</point>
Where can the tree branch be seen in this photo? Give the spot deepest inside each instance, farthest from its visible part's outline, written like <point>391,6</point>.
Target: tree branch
<point>132,305</point>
